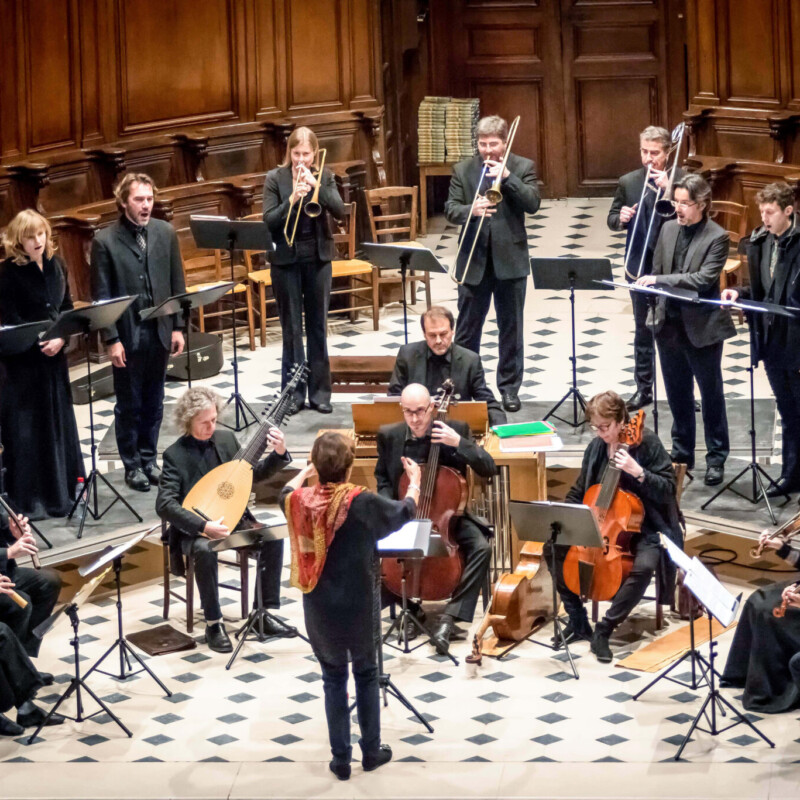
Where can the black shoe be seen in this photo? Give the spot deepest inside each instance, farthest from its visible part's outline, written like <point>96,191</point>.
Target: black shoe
<point>137,480</point>
<point>46,678</point>
<point>600,647</point>
<point>383,756</point>
<point>714,475</point>
<point>412,631</point>
<point>295,408</point>
<point>640,399</point>
<point>575,632</point>
<point>217,638</point>
<point>341,771</point>
<point>511,401</point>
<point>31,716</point>
<point>274,627</point>
<point>153,473</point>
<point>441,636</point>
<point>10,728</point>
<point>782,487</point>
<point>322,408</point>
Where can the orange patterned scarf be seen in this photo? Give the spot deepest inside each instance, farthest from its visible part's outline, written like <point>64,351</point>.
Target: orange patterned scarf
<point>314,514</point>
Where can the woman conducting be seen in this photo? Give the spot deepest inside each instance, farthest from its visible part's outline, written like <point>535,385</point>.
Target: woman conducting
<point>301,261</point>
<point>42,452</point>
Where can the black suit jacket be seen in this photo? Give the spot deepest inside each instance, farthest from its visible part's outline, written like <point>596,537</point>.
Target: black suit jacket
<point>509,240</point>
<point>277,191</point>
<point>466,372</point>
<point>391,439</point>
<point>629,193</point>
<point>705,258</point>
<point>118,269</point>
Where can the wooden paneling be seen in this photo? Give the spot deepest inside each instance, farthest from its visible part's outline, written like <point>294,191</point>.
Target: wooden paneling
<point>269,54</point>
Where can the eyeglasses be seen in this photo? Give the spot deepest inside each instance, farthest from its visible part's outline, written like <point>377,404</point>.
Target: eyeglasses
<point>682,203</point>
<point>601,428</point>
<point>415,412</point>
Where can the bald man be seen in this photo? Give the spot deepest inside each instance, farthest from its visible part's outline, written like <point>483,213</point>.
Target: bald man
<point>413,439</point>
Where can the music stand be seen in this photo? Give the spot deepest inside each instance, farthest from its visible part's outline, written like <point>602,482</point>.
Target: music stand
<point>114,555</point>
<point>85,320</point>
<point>403,256</point>
<point>653,293</point>
<point>221,233</point>
<point>251,538</point>
<point>757,472</point>
<point>556,274</point>
<point>556,524</point>
<point>16,339</point>
<point>78,682</point>
<point>183,304</point>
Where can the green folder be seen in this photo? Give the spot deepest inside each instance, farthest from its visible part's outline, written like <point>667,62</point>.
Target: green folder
<point>523,429</point>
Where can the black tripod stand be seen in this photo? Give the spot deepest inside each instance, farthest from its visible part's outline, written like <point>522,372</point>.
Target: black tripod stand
<point>76,684</point>
<point>125,650</point>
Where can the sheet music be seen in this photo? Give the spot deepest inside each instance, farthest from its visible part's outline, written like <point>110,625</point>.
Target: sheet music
<point>412,538</point>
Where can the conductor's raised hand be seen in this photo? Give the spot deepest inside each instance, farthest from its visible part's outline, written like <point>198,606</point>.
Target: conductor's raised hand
<point>412,469</point>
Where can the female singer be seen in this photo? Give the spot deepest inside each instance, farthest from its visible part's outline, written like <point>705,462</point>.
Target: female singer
<point>764,658</point>
<point>301,272</point>
<point>334,527</point>
<point>42,452</point>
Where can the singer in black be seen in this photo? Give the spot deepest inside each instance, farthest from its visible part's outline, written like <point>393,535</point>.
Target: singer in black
<point>37,423</point>
<point>202,448</point>
<point>690,254</point>
<point>632,211</point>
<point>499,266</point>
<point>773,257</point>
<point>301,272</point>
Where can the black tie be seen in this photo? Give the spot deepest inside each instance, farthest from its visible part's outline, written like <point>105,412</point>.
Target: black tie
<point>140,240</point>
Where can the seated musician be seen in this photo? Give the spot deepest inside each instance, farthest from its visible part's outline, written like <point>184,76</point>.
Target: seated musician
<point>39,587</point>
<point>412,439</point>
<point>202,448</point>
<point>437,358</point>
<point>647,472</point>
<point>764,658</point>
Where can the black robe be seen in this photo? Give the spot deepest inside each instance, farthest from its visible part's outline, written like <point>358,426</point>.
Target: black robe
<point>42,451</point>
<point>19,678</point>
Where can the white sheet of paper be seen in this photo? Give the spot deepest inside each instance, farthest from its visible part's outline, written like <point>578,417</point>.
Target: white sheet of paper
<point>412,537</point>
<point>678,557</point>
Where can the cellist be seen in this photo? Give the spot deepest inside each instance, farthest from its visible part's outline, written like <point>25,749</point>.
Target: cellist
<point>647,472</point>
<point>412,439</point>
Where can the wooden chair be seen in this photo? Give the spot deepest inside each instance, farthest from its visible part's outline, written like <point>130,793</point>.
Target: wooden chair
<point>733,217</point>
<point>392,212</point>
<point>203,271</point>
<point>259,278</point>
<point>244,580</point>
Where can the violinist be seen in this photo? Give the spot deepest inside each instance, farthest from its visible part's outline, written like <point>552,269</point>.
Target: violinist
<point>764,658</point>
<point>412,439</point>
<point>647,472</point>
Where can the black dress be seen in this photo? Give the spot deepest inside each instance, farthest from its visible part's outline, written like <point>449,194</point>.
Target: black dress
<point>42,453</point>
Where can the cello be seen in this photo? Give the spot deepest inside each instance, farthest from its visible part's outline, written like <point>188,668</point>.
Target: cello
<point>596,573</point>
<point>442,500</point>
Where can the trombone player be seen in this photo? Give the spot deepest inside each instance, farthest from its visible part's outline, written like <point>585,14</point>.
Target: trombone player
<point>632,211</point>
<point>497,266</point>
<point>297,205</point>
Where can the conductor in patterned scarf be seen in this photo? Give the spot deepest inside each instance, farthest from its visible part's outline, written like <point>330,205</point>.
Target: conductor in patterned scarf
<point>334,527</point>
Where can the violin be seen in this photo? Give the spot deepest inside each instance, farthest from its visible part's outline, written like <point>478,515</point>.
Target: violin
<point>442,500</point>
<point>596,573</point>
<point>780,610</point>
<point>786,532</point>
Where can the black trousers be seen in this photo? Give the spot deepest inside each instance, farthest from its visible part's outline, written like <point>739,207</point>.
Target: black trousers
<point>477,552</point>
<point>19,678</point>
<point>645,560</point>
<point>785,385</point>
<point>139,387</point>
<point>305,287</point>
<point>40,588</point>
<point>206,574</point>
<point>643,346</point>
<point>681,365</point>
<point>509,303</point>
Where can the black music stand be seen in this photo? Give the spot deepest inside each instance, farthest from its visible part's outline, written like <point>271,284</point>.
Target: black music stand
<point>78,682</point>
<point>757,473</point>
<point>556,524</point>
<point>85,320</point>
<point>557,274</point>
<point>221,233</point>
<point>251,538</point>
<point>16,339</point>
<point>413,542</point>
<point>183,304</point>
<point>403,256</point>
<point>114,555</point>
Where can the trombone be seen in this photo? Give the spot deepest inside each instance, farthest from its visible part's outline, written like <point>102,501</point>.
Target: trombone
<point>494,196</point>
<point>312,207</point>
